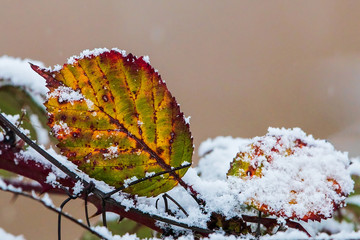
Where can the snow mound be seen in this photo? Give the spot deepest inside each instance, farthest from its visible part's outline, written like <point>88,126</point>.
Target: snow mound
<point>291,175</point>
<point>17,72</point>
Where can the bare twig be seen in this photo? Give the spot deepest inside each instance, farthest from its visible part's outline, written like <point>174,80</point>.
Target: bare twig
<point>52,208</point>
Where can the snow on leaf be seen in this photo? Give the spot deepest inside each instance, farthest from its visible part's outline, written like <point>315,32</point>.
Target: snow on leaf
<point>292,175</point>
<point>116,119</point>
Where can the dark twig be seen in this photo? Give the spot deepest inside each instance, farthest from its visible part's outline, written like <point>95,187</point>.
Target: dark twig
<point>61,212</point>
<point>103,212</point>
<point>144,179</point>
<point>30,196</point>
<point>87,191</point>
<point>176,203</point>
<point>258,226</point>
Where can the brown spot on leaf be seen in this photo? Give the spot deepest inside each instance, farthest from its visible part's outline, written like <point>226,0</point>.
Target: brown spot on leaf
<point>159,150</point>
<point>105,98</point>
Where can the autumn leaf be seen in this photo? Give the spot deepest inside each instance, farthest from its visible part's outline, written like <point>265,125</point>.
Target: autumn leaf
<point>115,118</point>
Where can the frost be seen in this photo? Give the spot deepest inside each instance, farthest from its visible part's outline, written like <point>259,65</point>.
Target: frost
<point>112,152</point>
<point>149,174</point>
<point>78,187</point>
<point>47,200</point>
<point>15,120</point>
<point>61,127</point>
<point>66,94</point>
<point>51,179</point>
<point>185,163</point>
<point>129,180</point>
<point>94,52</point>
<point>90,104</point>
<point>146,59</point>
<point>187,119</point>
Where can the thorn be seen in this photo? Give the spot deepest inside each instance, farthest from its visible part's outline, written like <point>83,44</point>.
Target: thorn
<point>120,219</point>
<point>14,198</point>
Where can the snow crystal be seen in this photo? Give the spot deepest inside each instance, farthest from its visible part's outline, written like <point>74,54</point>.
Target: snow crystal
<point>66,94</point>
<point>112,152</point>
<point>129,180</point>
<point>61,127</point>
<point>146,59</point>
<point>94,52</point>
<point>47,200</point>
<point>7,236</point>
<point>51,179</point>
<point>149,174</point>
<point>185,163</point>
<point>15,120</point>
<point>187,119</point>
<point>89,104</point>
<point>78,187</point>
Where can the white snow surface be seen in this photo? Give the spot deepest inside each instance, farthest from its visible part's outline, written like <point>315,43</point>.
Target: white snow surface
<point>298,183</point>
<point>216,155</point>
<point>17,72</point>
<point>7,236</point>
<point>66,94</point>
<point>88,53</point>
<point>354,167</point>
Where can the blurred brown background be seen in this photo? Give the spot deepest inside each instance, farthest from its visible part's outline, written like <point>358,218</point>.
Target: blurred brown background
<point>236,67</point>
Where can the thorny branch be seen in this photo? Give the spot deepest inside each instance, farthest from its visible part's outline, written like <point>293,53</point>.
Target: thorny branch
<point>34,170</point>
<point>38,172</point>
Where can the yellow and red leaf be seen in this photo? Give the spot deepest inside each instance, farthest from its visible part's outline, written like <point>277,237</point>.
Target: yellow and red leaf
<point>115,118</point>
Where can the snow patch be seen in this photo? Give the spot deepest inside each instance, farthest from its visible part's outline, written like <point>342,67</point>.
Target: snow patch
<point>95,52</point>
<point>298,174</point>
<point>66,94</point>
<point>112,152</point>
<point>7,236</point>
<point>146,59</point>
<point>17,72</point>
